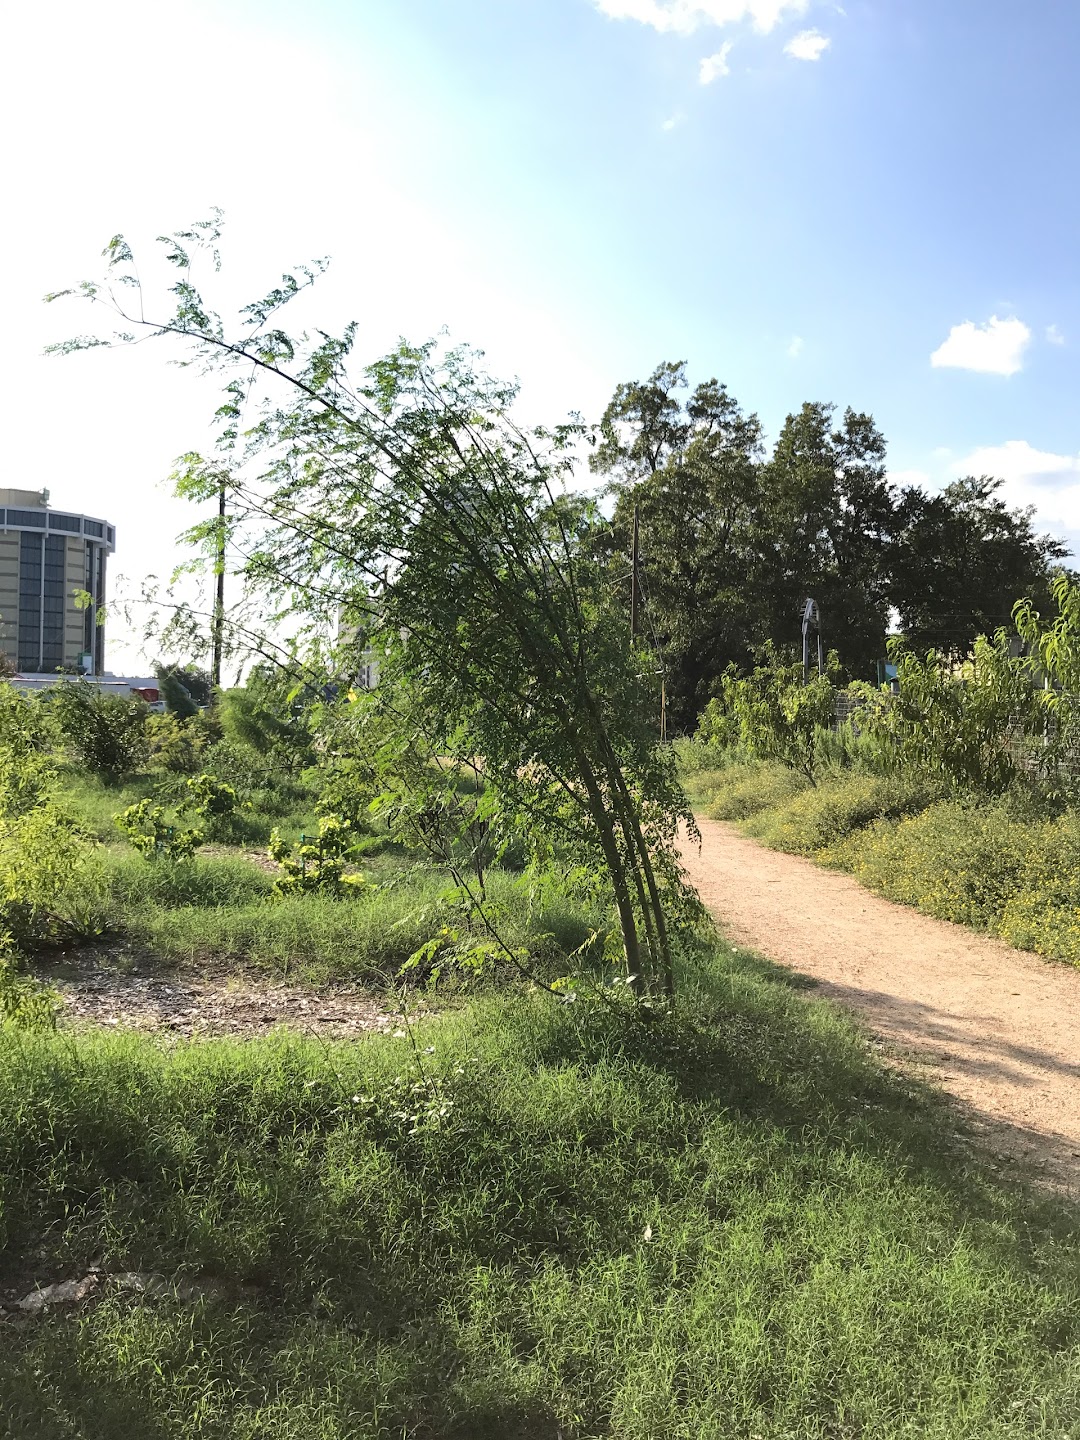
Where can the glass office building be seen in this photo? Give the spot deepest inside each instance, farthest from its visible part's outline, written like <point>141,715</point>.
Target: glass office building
<point>47,558</point>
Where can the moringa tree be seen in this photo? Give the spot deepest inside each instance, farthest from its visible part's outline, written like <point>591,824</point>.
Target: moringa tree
<point>400,506</point>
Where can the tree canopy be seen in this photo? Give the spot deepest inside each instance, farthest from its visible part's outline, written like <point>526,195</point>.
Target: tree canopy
<point>732,539</point>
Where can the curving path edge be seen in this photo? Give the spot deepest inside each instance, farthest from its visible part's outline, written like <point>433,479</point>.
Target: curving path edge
<point>1000,1028</point>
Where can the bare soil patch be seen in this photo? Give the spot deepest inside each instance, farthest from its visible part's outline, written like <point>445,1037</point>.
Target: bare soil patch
<point>995,1027</point>
<point>110,987</point>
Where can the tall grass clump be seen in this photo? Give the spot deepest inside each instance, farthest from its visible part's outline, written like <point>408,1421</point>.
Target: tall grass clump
<point>367,937</point>
<point>529,1221</point>
<point>744,787</point>
<point>840,804</point>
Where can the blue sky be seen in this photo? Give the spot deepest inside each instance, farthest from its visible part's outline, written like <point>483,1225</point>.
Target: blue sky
<point>873,204</point>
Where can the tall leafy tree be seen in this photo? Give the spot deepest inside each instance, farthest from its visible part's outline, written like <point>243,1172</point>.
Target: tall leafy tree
<point>960,561</point>
<point>824,523</point>
<point>402,499</point>
<point>689,468</point>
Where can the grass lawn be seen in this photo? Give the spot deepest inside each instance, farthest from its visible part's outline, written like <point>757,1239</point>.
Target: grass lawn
<point>538,1220</point>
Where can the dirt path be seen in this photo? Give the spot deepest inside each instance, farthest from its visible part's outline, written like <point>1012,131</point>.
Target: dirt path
<point>1000,1028</point>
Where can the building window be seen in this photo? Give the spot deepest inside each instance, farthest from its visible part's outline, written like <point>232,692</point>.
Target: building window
<point>52,610</point>
<point>31,560</point>
<point>93,527</point>
<point>72,523</point>
<point>36,518</point>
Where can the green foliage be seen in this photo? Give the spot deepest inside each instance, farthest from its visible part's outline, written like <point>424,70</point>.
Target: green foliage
<point>24,1005</point>
<point>403,501</point>
<point>260,717</point>
<point>122,885</point>
<point>984,864</point>
<point>554,1221</point>
<point>1053,644</point>
<point>694,755</point>
<point>367,934</point>
<point>317,862</point>
<point>959,560</point>
<point>841,803</point>
<point>27,767</point>
<point>742,788</point>
<point>147,827</point>
<point>211,798</point>
<point>777,716</point>
<point>954,724</point>
<point>105,733</point>
<point>42,851</point>
<point>184,688</point>
<point>176,745</point>
<point>731,541</point>
<point>42,857</point>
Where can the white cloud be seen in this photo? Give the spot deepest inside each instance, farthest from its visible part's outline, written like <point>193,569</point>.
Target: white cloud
<point>910,477</point>
<point>673,121</point>
<point>795,347</point>
<point>713,66</point>
<point>1054,335</point>
<point>807,45</point>
<point>1049,482</point>
<point>686,16</point>
<point>996,348</point>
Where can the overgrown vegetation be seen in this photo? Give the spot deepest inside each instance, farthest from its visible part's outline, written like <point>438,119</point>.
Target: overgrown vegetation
<point>528,1220</point>
<point>957,794</point>
<point>582,1201</point>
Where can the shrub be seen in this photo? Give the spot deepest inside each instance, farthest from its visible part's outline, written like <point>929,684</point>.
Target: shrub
<point>983,865</point>
<point>954,726</point>
<point>43,861</point>
<point>27,770</point>
<point>177,745</point>
<point>24,1004</point>
<point>317,862</point>
<point>777,715</point>
<point>695,754</point>
<point>103,732</point>
<point>147,828</point>
<point>743,789</point>
<point>812,819</point>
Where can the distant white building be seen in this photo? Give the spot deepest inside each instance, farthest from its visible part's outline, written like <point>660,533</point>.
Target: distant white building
<point>141,687</point>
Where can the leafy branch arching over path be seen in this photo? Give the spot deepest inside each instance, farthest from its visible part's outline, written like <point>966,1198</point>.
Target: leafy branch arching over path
<point>999,1027</point>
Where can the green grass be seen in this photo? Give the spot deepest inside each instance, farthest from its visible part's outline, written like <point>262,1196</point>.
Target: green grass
<point>131,882</point>
<point>366,939</point>
<point>568,1225</point>
<point>840,804</point>
<point>982,864</point>
<point>287,805</point>
<point>95,804</point>
<point>743,787</point>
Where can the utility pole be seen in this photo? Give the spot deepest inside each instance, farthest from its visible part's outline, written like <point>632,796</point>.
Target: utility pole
<point>634,586</point>
<point>219,597</point>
